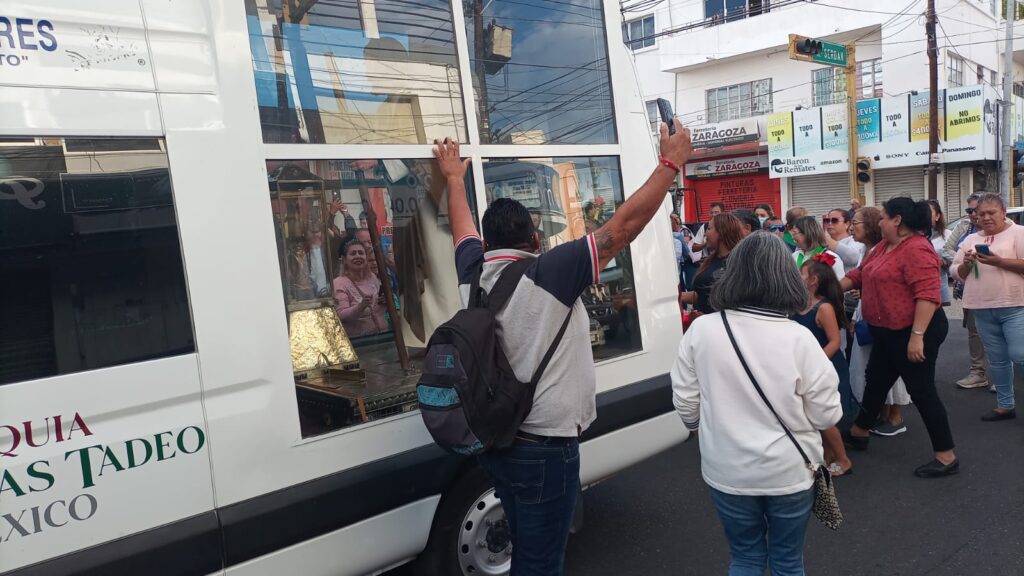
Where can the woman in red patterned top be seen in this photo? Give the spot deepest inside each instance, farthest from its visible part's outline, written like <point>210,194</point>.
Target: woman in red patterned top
<point>899,287</point>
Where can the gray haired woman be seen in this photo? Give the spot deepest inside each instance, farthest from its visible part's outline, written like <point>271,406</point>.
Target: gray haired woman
<point>759,484</point>
<point>811,240</point>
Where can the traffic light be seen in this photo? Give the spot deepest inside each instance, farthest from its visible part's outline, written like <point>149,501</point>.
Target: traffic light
<point>864,170</point>
<point>808,46</point>
<point>1018,167</point>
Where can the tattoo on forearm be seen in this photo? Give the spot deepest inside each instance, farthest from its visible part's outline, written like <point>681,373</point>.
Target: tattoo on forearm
<point>605,241</point>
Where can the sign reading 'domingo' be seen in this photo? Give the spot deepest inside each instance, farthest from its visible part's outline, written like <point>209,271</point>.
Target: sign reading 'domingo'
<point>20,37</point>
<point>88,466</point>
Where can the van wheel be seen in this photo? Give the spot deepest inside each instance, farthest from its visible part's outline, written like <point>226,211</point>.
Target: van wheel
<point>471,536</point>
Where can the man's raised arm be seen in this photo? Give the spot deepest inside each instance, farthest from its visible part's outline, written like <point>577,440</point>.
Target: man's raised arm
<point>630,218</point>
<point>454,170</point>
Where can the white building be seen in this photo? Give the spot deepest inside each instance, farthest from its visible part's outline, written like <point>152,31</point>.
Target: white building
<point>725,63</point>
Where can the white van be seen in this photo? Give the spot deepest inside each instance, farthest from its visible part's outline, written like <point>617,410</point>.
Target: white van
<point>193,377</point>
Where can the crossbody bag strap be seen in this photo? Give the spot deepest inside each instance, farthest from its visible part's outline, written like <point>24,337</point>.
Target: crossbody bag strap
<point>728,330</point>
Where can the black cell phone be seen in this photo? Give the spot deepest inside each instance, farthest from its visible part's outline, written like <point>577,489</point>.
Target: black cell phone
<point>983,249</point>
<point>665,109</point>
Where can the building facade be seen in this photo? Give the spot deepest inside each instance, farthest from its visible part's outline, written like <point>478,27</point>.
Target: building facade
<point>725,67</point>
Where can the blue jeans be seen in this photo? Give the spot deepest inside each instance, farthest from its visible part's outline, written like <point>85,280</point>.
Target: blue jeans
<point>537,483</point>
<point>1002,333</point>
<point>765,531</point>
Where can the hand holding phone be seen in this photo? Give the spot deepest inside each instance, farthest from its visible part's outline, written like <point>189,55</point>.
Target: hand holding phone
<point>983,249</point>
<point>665,109</point>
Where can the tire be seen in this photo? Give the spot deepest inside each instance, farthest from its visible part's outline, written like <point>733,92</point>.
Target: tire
<point>470,536</point>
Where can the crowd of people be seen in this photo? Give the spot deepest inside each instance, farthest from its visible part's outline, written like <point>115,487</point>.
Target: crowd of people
<point>806,337</point>
<point>869,289</point>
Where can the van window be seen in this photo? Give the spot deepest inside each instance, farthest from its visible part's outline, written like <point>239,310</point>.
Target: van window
<point>356,72</point>
<point>568,199</point>
<point>90,261</point>
<point>368,271</point>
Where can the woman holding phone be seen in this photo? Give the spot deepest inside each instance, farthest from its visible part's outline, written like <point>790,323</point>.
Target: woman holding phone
<point>990,263</point>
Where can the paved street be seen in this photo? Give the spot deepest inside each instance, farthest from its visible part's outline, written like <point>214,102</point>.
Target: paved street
<point>657,517</point>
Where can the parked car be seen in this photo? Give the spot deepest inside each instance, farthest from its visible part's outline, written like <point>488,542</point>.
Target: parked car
<point>1016,214</point>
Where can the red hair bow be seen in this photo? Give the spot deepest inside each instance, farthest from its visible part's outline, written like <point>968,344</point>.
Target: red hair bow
<point>825,258</point>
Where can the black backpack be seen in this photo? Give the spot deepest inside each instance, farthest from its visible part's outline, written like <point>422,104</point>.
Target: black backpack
<point>469,396</point>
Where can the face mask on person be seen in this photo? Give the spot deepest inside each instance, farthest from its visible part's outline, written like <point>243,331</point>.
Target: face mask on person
<point>762,220</point>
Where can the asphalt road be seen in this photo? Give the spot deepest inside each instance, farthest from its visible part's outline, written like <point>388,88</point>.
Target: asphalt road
<point>657,519</point>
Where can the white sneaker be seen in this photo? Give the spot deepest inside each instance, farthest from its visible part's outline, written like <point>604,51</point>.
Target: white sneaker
<point>972,381</point>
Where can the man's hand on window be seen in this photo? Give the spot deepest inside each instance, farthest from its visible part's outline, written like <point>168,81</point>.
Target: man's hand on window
<point>448,159</point>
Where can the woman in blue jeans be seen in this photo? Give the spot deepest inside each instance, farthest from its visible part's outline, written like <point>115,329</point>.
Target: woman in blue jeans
<point>759,484</point>
<point>990,263</point>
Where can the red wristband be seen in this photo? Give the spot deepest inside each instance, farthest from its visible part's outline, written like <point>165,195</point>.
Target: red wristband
<point>668,163</point>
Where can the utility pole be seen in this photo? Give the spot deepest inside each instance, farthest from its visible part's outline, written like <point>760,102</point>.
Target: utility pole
<point>852,127</point>
<point>481,71</point>
<point>1006,124</point>
<point>933,104</point>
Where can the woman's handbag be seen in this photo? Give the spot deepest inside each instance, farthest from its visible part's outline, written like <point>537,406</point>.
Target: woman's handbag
<point>826,506</point>
<point>863,333</point>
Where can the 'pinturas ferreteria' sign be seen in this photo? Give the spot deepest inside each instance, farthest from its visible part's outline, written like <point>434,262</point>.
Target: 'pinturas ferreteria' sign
<point>892,131</point>
<point>725,133</point>
<point>74,473</point>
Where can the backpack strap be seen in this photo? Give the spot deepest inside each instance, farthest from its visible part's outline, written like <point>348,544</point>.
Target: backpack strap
<point>501,292</point>
<point>551,350</point>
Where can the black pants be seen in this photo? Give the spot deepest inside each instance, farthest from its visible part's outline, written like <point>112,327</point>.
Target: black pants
<point>888,361</point>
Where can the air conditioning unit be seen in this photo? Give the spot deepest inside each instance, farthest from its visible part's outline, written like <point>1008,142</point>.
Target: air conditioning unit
<point>497,47</point>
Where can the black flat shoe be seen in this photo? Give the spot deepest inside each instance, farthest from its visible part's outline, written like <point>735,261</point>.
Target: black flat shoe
<point>996,416</point>
<point>936,469</point>
<point>858,443</point>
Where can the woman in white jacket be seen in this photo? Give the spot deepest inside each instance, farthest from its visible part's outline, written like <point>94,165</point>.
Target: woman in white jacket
<point>760,486</point>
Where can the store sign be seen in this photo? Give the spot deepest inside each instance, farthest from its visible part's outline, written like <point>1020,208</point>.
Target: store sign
<point>725,133</point>
<point>736,191</point>
<point>50,43</point>
<point>892,131</point>
<point>727,167</point>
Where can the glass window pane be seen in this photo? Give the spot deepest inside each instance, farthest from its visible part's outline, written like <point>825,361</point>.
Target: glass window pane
<point>368,268</point>
<point>649,31</point>
<point>89,256</point>
<point>356,71</point>
<point>714,8</point>
<point>540,71</point>
<point>570,198</point>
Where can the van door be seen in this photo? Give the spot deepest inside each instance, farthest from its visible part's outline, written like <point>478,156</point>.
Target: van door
<point>104,451</point>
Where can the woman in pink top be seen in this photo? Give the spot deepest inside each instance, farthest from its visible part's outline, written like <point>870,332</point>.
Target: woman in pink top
<point>357,292</point>
<point>899,289</point>
<point>990,263</point>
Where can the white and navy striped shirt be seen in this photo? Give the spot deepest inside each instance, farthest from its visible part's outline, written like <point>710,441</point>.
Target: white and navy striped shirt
<point>564,403</point>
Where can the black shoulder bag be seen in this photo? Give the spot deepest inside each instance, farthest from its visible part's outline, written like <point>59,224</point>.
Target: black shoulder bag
<point>826,506</point>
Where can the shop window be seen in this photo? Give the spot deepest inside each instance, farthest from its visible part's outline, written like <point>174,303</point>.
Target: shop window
<point>89,256</point>
<point>639,33</point>
<point>570,198</point>
<point>368,270</point>
<point>540,72</point>
<point>355,71</point>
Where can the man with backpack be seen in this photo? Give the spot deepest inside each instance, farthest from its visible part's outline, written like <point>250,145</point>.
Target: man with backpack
<point>543,330</point>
